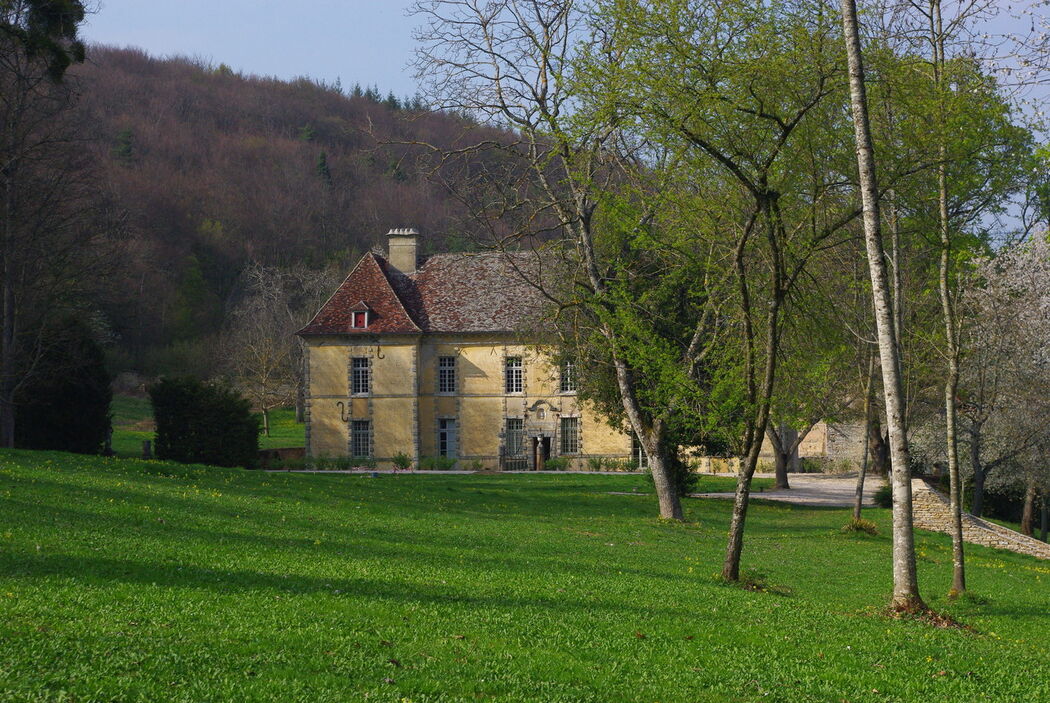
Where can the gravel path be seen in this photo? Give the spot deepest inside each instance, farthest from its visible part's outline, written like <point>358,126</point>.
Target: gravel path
<point>814,489</point>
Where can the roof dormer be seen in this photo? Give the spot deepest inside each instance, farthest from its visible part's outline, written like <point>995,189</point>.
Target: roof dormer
<point>360,316</point>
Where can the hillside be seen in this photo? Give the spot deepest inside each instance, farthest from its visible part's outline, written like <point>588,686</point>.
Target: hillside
<point>212,169</point>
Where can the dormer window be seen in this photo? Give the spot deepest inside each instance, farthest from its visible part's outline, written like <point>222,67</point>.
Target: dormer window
<point>360,316</point>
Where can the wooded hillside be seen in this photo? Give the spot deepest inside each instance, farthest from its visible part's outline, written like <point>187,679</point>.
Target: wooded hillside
<point>212,169</point>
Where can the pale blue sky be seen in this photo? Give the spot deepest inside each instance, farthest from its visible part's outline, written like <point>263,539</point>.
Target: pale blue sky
<point>363,41</point>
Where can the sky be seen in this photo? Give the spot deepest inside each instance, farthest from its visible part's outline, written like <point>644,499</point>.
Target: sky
<point>355,41</point>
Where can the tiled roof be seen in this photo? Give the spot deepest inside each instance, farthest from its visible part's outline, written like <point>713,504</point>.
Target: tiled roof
<point>448,293</point>
<point>368,284</point>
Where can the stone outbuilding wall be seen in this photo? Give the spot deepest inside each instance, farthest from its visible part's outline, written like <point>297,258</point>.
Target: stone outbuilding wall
<point>932,511</point>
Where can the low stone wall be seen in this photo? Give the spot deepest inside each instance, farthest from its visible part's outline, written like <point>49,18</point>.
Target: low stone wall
<point>932,511</point>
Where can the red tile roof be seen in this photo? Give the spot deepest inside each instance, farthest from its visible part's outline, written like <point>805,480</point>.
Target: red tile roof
<point>368,284</point>
<point>448,293</point>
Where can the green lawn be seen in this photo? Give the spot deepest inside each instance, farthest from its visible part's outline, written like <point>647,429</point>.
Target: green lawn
<point>133,417</point>
<point>123,580</point>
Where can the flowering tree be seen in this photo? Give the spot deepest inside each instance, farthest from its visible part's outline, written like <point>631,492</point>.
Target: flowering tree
<point>1006,411</point>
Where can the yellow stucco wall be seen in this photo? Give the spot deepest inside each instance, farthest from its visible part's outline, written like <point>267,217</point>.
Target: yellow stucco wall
<point>328,369</point>
<point>327,359</point>
<point>404,405</point>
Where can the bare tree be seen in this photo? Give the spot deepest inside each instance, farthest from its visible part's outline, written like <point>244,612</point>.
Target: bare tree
<point>262,356</point>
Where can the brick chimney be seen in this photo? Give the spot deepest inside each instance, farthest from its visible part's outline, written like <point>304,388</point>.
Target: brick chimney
<point>402,249</point>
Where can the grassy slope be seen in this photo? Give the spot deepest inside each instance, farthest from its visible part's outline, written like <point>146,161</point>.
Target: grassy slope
<point>127,580</point>
<point>132,414</point>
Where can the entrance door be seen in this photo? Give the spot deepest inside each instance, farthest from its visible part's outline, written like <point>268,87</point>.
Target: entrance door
<point>541,452</point>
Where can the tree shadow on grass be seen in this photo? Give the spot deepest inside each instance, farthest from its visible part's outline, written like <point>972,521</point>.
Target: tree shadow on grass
<point>367,543</point>
<point>100,571</point>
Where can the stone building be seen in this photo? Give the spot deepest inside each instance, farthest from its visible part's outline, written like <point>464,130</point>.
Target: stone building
<point>432,357</point>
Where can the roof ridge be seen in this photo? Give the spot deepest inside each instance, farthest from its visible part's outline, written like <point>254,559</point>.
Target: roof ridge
<point>390,286</point>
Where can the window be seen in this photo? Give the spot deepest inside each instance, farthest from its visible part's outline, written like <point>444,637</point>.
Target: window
<point>360,438</point>
<point>568,377</point>
<point>446,374</point>
<point>360,376</point>
<point>570,435</point>
<point>513,375</point>
<point>640,457</point>
<point>447,437</point>
<point>515,436</point>
<point>360,319</point>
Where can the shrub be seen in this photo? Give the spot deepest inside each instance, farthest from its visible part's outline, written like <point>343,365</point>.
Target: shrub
<point>199,423</point>
<point>476,465</point>
<point>437,463</point>
<point>596,463</point>
<point>65,406</point>
<point>860,525</point>
<point>557,463</point>
<point>401,461</point>
<point>684,479</point>
<point>884,496</point>
<point>621,465</point>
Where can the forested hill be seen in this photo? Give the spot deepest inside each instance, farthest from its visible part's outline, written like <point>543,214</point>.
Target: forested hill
<point>213,169</point>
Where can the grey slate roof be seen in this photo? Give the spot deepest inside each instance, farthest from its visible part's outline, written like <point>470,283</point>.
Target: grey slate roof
<point>471,292</point>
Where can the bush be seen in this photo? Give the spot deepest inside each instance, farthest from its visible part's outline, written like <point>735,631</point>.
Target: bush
<point>557,463</point>
<point>437,463</point>
<point>402,461</point>
<point>884,496</point>
<point>198,423</point>
<point>595,463</point>
<point>66,404</point>
<point>684,479</point>
<point>860,525</point>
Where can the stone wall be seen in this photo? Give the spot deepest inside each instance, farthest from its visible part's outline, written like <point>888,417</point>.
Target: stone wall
<point>932,511</point>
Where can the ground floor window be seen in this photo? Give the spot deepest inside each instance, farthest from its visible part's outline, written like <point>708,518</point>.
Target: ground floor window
<point>570,435</point>
<point>515,436</point>
<point>447,437</point>
<point>360,438</point>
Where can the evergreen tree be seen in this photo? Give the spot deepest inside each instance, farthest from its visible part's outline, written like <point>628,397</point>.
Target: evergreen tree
<point>66,407</point>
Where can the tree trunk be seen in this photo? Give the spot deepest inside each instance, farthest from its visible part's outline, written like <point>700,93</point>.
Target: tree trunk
<point>735,543</point>
<point>869,390</point>
<point>905,579</point>
<point>780,470</point>
<point>652,440</point>
<point>879,448</point>
<point>7,328</point>
<point>1045,516</point>
<point>951,334</point>
<point>266,422</point>
<point>1028,514</point>
<point>784,442</point>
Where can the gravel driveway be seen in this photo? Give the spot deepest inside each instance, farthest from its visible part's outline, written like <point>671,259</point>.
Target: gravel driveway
<point>836,491</point>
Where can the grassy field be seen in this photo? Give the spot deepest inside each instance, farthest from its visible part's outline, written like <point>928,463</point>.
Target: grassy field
<point>133,423</point>
<point>123,580</point>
